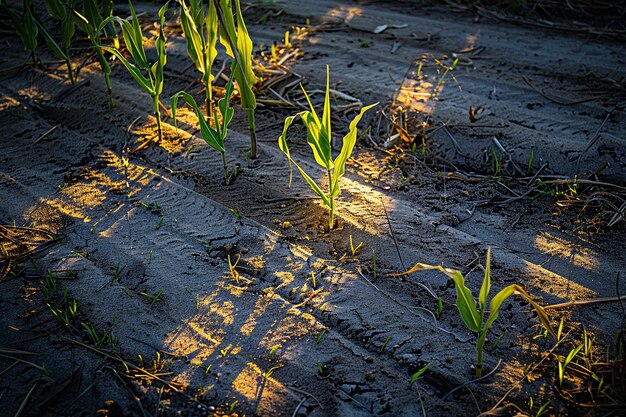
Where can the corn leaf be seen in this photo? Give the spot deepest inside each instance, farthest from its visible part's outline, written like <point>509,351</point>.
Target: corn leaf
<point>210,43</point>
<point>325,132</point>
<point>133,38</point>
<point>346,150</point>
<point>465,303</point>
<point>499,298</point>
<point>282,144</point>
<point>56,9</point>
<point>52,44</point>
<point>486,285</point>
<point>25,25</point>
<point>192,33</point>
<point>210,135</point>
<point>225,108</point>
<point>238,45</point>
<point>157,67</point>
<point>244,47</point>
<point>133,70</point>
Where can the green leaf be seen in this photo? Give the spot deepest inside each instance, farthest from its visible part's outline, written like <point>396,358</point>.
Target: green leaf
<point>496,303</point>
<point>133,38</point>
<point>25,25</point>
<point>282,144</point>
<point>210,41</point>
<point>191,32</point>
<point>465,303</point>
<point>56,9</point>
<point>346,150</point>
<point>52,44</point>
<point>486,285</point>
<point>419,373</point>
<point>325,131</point>
<point>209,134</point>
<point>157,67</point>
<point>136,73</point>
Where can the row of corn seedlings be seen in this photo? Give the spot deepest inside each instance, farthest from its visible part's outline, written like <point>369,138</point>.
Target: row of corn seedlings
<point>202,27</point>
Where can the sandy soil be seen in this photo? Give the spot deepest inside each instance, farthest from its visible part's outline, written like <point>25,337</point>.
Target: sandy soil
<point>306,326</point>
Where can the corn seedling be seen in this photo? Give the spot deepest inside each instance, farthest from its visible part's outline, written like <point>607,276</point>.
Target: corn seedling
<point>474,318</point>
<point>62,11</point>
<point>319,137</point>
<point>214,136</point>
<point>25,26</point>
<point>148,76</point>
<point>200,30</point>
<point>238,45</point>
<point>320,367</point>
<point>89,22</point>
<point>419,373</point>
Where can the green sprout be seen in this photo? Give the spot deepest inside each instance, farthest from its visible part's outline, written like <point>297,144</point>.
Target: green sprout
<point>133,38</point>
<point>474,318</point>
<point>214,136</point>
<point>319,137</point>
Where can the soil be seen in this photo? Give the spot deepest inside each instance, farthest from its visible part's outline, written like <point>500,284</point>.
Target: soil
<point>311,322</point>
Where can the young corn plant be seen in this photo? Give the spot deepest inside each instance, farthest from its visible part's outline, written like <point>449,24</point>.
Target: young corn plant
<point>94,13</point>
<point>25,26</point>
<point>238,45</point>
<point>319,137</point>
<point>200,30</point>
<point>148,76</point>
<point>62,11</point>
<point>474,318</point>
<point>214,136</point>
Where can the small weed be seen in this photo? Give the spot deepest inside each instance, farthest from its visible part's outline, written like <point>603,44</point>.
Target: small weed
<point>387,340</point>
<point>354,250</point>
<point>154,298</point>
<point>439,307</point>
<point>419,373</point>
<point>320,336</point>
<point>232,268</point>
<point>267,374</point>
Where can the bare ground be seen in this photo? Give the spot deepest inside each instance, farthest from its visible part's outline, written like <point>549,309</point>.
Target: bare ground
<point>270,340</point>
